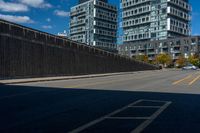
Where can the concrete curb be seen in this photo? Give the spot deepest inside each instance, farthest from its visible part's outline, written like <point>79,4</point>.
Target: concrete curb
<point>30,80</point>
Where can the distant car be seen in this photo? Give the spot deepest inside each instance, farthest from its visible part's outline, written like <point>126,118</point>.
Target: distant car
<point>189,67</point>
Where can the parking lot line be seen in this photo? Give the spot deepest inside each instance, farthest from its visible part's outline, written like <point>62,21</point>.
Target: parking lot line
<point>141,127</point>
<point>102,118</point>
<point>145,106</point>
<point>126,118</point>
<point>156,101</point>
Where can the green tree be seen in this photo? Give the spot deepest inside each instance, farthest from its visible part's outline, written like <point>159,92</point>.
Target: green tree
<point>195,60</point>
<point>143,58</point>
<point>181,61</point>
<point>163,59</point>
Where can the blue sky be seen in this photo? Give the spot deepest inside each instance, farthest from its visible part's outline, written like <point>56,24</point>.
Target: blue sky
<point>52,16</point>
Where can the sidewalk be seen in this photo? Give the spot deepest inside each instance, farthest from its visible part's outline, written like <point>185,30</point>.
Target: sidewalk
<point>27,80</point>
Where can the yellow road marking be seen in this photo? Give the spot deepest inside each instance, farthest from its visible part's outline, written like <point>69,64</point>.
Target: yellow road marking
<point>176,82</point>
<point>194,80</point>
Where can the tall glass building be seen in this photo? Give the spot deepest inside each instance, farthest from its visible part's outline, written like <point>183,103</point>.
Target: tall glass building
<point>145,20</point>
<point>94,22</point>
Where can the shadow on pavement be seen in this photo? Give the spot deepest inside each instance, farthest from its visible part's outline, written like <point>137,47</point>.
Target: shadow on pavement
<point>25,109</point>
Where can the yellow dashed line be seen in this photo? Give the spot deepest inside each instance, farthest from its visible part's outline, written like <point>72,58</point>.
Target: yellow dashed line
<point>194,80</point>
<point>176,82</point>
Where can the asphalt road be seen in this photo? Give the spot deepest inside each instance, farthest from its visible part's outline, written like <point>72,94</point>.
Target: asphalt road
<point>148,102</point>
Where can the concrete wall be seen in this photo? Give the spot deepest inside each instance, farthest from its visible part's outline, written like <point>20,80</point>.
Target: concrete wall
<point>26,52</point>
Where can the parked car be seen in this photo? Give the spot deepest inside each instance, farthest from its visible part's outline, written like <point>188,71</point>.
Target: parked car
<point>190,67</point>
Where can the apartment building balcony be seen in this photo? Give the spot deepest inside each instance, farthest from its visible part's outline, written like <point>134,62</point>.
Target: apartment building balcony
<point>143,52</point>
<point>129,4</point>
<point>176,12</point>
<point>77,23</point>
<point>135,12</point>
<point>181,4</point>
<point>135,39</point>
<point>151,53</point>
<point>106,34</point>
<point>165,50</point>
<point>176,51</point>
<point>177,46</point>
<point>150,48</point>
<point>194,43</point>
<point>77,12</point>
<point>105,5</point>
<point>164,47</point>
<point>108,18</point>
<point>105,25</point>
<point>141,48</point>
<point>133,54</point>
<point>77,32</point>
<point>133,51</point>
<point>81,40</point>
<point>136,24</point>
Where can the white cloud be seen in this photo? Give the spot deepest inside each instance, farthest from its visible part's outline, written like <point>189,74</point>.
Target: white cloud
<point>16,19</point>
<point>12,7</point>
<point>47,27</point>
<point>61,13</point>
<point>36,3</point>
<point>196,34</point>
<point>48,20</point>
<point>22,5</point>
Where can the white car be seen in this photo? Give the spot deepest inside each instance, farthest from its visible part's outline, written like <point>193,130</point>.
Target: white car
<point>190,67</point>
